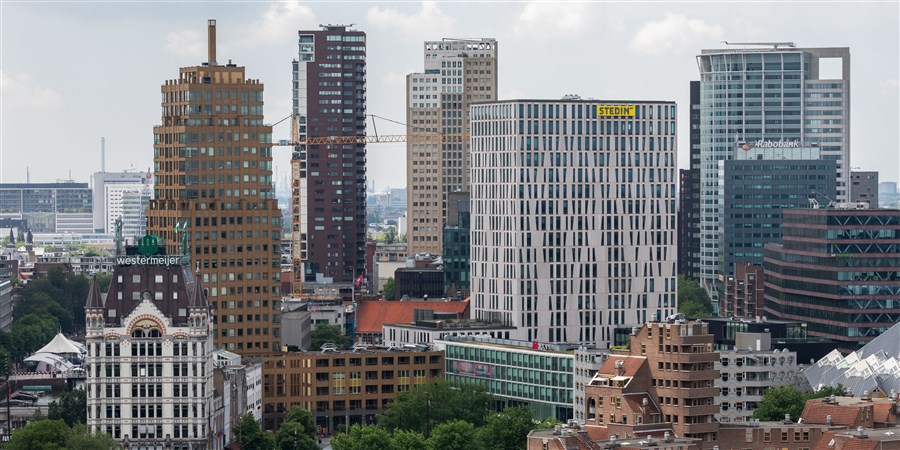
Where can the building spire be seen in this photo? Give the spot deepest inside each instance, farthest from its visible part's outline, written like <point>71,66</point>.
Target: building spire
<point>94,299</point>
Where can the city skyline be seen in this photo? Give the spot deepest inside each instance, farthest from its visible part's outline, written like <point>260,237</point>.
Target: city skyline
<point>127,48</point>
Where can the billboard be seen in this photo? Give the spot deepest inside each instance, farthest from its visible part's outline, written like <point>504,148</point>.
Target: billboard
<point>615,110</point>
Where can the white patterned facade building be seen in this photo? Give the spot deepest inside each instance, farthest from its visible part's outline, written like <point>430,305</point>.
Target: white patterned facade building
<point>573,216</point>
<point>149,364</point>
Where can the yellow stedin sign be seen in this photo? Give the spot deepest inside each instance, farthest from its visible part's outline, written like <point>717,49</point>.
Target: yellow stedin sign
<point>615,110</point>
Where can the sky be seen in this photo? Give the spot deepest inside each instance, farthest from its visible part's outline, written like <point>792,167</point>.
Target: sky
<point>73,72</point>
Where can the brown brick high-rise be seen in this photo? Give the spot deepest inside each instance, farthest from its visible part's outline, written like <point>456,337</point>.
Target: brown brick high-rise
<point>213,171</point>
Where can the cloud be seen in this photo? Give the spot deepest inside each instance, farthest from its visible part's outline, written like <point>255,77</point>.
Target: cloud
<point>20,93</point>
<point>281,21</point>
<point>549,19</point>
<point>674,35</point>
<point>890,82</point>
<point>394,77</point>
<point>428,20</point>
<point>188,44</point>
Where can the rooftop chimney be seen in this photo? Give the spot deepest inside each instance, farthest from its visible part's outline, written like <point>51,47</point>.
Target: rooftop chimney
<point>211,41</point>
<point>828,420</point>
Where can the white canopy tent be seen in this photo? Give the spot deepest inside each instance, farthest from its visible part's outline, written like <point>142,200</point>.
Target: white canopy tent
<point>61,345</point>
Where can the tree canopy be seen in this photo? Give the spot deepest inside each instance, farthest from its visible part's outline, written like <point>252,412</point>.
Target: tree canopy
<point>389,289</point>
<point>507,430</point>
<point>782,400</point>
<point>326,333</point>
<point>297,432</point>
<point>71,408</point>
<point>454,435</point>
<point>250,437</point>
<point>56,435</point>
<point>693,300</point>
<point>435,403</point>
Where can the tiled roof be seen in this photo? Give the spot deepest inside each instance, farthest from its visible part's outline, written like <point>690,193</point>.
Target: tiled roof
<point>636,401</point>
<point>630,365</point>
<point>882,413</point>
<point>826,438</point>
<point>373,314</point>
<point>860,444</point>
<point>816,412</point>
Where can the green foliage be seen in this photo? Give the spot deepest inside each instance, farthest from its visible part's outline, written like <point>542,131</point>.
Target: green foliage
<point>71,408</point>
<point>293,436</point>
<point>453,435</point>
<point>326,333</point>
<point>298,432</point>
<point>409,440</point>
<point>60,295</point>
<point>436,403</point>
<point>250,437</point>
<point>390,235</point>
<point>507,430</point>
<point>55,434</point>
<point>693,300</point>
<point>103,279</point>
<point>364,438</point>
<point>828,391</point>
<point>778,401</point>
<point>389,289</point>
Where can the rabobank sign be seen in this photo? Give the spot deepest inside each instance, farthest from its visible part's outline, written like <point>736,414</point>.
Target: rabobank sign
<point>776,144</point>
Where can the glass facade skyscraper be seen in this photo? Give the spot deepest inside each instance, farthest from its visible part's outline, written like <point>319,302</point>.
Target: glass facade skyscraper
<point>781,94</point>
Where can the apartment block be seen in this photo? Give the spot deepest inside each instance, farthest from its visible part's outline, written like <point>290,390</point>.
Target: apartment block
<point>747,370</point>
<point>573,216</point>
<point>458,73</point>
<point>745,292</point>
<point>212,169</point>
<point>342,387</point>
<point>329,95</point>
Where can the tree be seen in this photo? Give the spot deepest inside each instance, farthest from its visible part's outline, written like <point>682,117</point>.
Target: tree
<point>326,333</point>
<point>507,430</point>
<point>426,405</point>
<point>250,437</point>
<point>43,434</point>
<point>82,439</point>
<point>390,235</point>
<point>693,300</point>
<point>302,417</point>
<point>71,408</point>
<point>453,435</point>
<point>298,432</point>
<point>828,391</point>
<point>364,437</point>
<point>778,401</point>
<point>409,440</point>
<point>389,289</point>
<point>293,436</point>
<point>103,279</point>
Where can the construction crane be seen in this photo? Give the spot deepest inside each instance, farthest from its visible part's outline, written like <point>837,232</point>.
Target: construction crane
<point>299,141</point>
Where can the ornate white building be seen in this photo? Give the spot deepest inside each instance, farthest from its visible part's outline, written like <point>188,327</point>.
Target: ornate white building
<point>149,363</point>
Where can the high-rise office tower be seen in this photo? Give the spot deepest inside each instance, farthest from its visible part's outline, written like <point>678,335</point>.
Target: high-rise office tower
<point>457,73</point>
<point>213,175</point>
<point>864,187</point>
<point>122,195</point>
<point>573,216</point>
<point>689,198</point>
<point>766,96</point>
<point>330,100</point>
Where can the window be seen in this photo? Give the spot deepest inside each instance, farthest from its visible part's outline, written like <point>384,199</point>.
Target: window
<point>767,436</point>
<point>784,436</point>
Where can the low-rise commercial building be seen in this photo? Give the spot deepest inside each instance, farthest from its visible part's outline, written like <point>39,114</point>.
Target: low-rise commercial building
<point>342,388</point>
<point>515,372</point>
